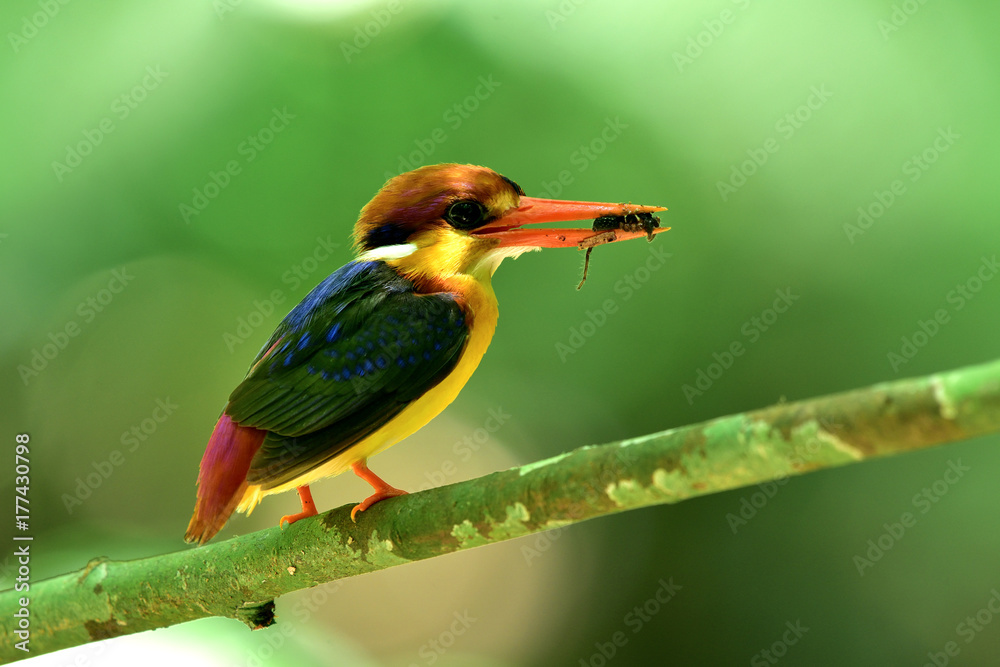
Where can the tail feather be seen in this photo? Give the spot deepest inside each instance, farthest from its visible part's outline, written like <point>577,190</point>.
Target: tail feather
<point>222,477</point>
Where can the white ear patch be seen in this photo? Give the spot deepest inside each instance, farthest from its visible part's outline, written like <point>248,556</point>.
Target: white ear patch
<point>388,252</point>
<point>491,261</point>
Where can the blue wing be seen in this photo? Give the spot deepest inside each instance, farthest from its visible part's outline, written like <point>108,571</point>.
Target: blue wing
<point>351,356</point>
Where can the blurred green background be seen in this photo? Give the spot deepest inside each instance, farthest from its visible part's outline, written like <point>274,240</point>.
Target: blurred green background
<point>178,175</point>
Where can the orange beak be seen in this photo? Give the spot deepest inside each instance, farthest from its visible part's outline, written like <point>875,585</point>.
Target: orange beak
<point>533,211</point>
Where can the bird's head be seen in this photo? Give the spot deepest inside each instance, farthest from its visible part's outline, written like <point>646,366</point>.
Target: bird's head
<point>446,219</point>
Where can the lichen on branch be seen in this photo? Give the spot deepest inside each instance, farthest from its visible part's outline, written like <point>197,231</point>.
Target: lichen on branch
<point>239,578</point>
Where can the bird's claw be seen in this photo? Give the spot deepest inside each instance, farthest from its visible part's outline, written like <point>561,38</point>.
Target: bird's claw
<point>292,518</point>
<point>382,494</point>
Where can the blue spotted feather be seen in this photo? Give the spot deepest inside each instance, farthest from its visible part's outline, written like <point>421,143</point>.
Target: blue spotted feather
<point>352,355</point>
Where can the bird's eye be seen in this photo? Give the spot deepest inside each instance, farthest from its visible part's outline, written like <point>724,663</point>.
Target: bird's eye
<point>465,214</point>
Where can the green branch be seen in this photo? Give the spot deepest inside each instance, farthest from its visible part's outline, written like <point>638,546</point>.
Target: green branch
<point>240,578</point>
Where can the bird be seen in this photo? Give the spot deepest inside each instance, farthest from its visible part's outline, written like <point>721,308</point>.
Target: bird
<point>383,344</point>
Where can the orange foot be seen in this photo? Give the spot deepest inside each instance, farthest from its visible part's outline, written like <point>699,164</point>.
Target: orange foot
<point>308,507</point>
<point>382,490</point>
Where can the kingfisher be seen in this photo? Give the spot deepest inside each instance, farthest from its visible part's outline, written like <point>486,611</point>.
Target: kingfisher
<point>384,343</point>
